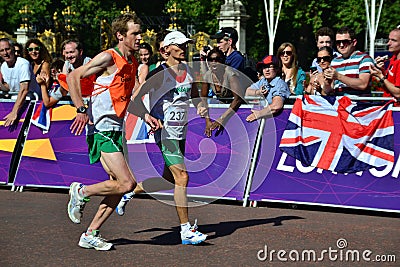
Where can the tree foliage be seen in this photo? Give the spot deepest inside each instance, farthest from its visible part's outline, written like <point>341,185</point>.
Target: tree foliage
<point>200,13</point>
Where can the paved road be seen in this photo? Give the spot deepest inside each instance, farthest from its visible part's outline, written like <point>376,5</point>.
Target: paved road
<point>35,231</point>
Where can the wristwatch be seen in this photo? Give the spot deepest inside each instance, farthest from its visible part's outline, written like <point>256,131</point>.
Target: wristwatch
<point>382,81</point>
<point>81,109</point>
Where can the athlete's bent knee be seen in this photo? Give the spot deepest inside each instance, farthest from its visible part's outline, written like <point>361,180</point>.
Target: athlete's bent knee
<point>128,187</point>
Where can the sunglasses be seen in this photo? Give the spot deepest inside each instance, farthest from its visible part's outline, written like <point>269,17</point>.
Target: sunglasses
<point>181,46</point>
<point>345,42</point>
<point>287,53</point>
<point>324,58</point>
<point>31,49</point>
<point>215,59</point>
<point>269,66</point>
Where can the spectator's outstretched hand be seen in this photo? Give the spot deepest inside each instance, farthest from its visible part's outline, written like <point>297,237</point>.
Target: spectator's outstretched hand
<point>255,114</point>
<point>152,122</point>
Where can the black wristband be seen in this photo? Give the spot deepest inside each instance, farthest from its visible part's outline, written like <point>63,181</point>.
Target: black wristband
<point>382,81</point>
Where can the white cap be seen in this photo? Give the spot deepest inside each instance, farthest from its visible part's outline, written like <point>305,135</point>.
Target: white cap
<point>176,37</point>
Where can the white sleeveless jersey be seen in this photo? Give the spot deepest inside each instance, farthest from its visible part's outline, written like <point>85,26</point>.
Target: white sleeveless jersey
<point>101,111</point>
<point>170,103</point>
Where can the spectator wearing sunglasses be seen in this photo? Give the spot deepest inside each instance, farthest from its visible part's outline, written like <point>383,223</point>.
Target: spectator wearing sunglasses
<point>223,81</point>
<point>227,38</point>
<point>350,71</point>
<point>39,57</point>
<point>292,74</point>
<point>19,49</point>
<point>390,78</point>
<point>324,37</point>
<point>18,78</point>
<point>318,84</point>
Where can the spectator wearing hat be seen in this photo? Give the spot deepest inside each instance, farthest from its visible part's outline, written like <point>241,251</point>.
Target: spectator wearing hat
<point>271,86</point>
<point>227,38</point>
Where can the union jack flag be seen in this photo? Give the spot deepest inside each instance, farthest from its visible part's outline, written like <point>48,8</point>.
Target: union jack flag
<point>136,130</point>
<point>42,117</point>
<point>337,134</point>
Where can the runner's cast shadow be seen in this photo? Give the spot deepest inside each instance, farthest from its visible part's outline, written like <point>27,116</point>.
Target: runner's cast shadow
<point>220,230</point>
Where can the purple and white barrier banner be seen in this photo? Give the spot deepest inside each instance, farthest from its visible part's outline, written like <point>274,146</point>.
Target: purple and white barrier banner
<point>9,136</point>
<point>217,166</point>
<point>289,181</point>
<point>57,158</point>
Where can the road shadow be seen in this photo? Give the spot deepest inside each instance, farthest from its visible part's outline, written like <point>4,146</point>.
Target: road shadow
<point>219,230</point>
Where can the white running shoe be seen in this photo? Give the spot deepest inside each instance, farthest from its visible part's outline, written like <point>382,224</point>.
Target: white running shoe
<point>96,242</point>
<point>120,209</point>
<point>192,236</point>
<point>76,204</point>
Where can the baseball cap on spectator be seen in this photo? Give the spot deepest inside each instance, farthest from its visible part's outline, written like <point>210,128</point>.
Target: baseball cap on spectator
<point>268,60</point>
<point>226,32</point>
<point>176,37</point>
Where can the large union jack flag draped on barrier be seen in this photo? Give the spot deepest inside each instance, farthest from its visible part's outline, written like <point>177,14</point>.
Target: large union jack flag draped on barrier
<point>334,133</point>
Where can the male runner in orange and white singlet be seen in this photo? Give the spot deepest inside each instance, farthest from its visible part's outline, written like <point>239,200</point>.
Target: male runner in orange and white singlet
<point>103,118</point>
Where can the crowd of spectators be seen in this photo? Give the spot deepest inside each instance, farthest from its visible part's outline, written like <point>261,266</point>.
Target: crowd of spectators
<point>339,68</point>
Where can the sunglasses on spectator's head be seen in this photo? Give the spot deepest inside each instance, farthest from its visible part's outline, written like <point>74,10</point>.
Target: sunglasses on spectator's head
<point>31,49</point>
<point>324,58</point>
<point>345,42</point>
<point>287,53</point>
<point>181,46</point>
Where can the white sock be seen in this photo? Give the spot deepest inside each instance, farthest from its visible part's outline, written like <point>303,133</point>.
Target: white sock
<point>130,194</point>
<point>185,227</point>
<point>92,232</point>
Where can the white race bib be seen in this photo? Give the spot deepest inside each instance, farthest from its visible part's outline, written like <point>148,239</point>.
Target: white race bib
<point>175,121</point>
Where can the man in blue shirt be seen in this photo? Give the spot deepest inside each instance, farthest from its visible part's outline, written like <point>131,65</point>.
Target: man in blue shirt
<point>227,38</point>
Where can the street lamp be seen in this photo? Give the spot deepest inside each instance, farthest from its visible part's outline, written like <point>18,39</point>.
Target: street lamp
<point>173,11</point>
<point>25,14</point>
<point>127,9</point>
<point>68,15</point>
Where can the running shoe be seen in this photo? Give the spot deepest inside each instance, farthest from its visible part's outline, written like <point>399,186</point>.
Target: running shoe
<point>76,204</point>
<point>94,241</point>
<point>120,209</point>
<point>192,236</point>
